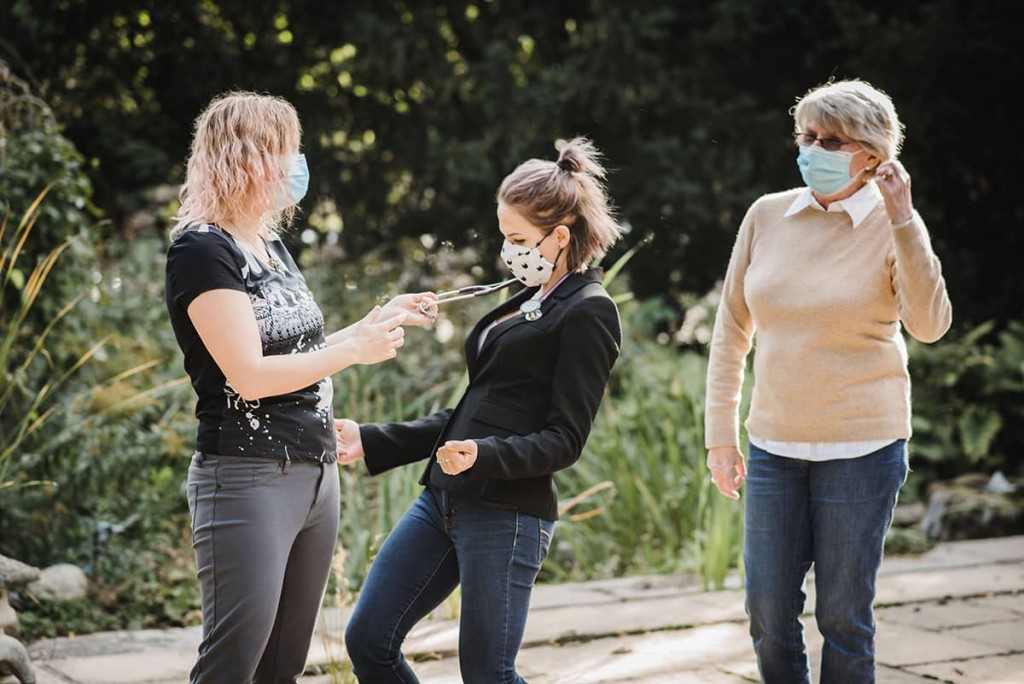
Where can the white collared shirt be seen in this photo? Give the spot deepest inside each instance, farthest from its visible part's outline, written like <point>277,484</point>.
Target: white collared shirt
<point>858,206</point>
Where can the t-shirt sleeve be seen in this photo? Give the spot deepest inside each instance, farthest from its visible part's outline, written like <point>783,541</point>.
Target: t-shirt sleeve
<point>199,262</point>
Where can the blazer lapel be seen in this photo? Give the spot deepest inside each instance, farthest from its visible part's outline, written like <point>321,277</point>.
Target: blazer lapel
<point>473,339</point>
<point>561,293</point>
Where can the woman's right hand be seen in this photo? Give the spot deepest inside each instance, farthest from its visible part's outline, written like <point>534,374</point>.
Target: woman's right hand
<point>728,471</point>
<point>350,443</point>
<point>375,338</point>
<point>420,307</point>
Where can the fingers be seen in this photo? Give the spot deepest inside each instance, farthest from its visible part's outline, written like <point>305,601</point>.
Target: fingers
<point>891,173</point>
<point>727,470</point>
<point>726,483</point>
<point>394,321</point>
<point>456,456</point>
<point>466,445</point>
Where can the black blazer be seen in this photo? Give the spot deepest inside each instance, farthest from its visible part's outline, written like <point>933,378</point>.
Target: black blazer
<point>534,389</point>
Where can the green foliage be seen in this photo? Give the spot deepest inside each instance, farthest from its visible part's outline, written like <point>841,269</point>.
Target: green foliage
<point>413,112</point>
<point>659,512</point>
<point>34,154</point>
<point>44,195</point>
<point>968,403</point>
<point>113,460</point>
<point>28,378</point>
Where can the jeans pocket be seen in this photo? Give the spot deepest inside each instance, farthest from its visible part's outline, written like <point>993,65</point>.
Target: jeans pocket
<point>192,494</point>
<point>545,532</point>
<point>245,474</point>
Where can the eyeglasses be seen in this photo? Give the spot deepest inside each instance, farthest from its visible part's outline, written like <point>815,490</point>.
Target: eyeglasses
<point>830,144</point>
<point>469,292</point>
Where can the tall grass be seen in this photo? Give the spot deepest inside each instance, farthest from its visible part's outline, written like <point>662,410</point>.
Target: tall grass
<point>658,511</point>
<point>28,380</point>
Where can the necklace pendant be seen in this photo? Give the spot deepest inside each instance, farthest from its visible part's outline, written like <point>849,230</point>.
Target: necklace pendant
<point>531,309</point>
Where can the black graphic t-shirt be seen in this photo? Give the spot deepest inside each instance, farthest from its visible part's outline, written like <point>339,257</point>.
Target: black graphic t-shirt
<point>298,425</point>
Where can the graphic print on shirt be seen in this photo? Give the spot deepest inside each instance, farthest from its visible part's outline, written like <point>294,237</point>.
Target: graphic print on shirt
<point>289,322</point>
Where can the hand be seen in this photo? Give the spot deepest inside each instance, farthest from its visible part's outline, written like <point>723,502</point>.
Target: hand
<point>457,456</point>
<point>894,183</point>
<point>723,462</point>
<point>350,443</point>
<point>376,337</point>
<point>420,308</point>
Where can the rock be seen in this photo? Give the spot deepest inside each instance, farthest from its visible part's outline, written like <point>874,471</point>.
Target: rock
<point>61,582</point>
<point>14,660</point>
<point>907,515</point>
<point>967,508</point>
<point>15,573</point>
<point>12,574</point>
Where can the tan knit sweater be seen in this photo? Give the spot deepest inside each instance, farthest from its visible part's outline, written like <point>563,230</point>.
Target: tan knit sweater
<point>826,301</point>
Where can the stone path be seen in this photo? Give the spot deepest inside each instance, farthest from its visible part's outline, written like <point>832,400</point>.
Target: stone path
<point>953,615</point>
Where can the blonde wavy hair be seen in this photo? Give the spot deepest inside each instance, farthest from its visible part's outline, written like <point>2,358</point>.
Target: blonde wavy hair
<point>235,162</point>
<point>569,192</point>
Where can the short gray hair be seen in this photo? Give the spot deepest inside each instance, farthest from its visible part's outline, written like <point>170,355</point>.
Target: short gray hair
<point>856,110</point>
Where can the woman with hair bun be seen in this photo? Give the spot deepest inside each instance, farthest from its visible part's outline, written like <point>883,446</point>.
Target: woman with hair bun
<point>538,367</point>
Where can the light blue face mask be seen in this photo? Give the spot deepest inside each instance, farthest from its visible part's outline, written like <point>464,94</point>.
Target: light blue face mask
<point>824,172</point>
<point>295,182</point>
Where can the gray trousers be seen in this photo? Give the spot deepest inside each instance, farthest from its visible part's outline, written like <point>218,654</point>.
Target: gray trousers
<point>264,532</point>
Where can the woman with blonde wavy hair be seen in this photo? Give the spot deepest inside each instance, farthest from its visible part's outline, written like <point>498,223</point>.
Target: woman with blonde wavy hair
<point>538,366</point>
<point>262,489</point>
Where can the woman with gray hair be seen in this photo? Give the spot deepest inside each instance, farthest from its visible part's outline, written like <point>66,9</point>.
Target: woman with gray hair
<point>826,276</point>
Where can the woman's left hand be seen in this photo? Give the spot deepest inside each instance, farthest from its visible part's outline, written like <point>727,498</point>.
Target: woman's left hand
<point>420,308</point>
<point>894,183</point>
<point>456,456</point>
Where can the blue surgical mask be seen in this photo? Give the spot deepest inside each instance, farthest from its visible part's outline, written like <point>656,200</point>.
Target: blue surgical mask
<point>824,172</point>
<point>295,182</point>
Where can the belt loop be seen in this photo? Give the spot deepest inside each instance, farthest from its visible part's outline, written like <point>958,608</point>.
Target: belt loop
<point>198,458</point>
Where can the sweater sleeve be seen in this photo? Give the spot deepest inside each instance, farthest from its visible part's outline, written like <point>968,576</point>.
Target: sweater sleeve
<point>916,273</point>
<point>731,341</point>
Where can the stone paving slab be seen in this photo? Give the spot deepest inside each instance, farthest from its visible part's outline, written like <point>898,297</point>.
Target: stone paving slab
<point>1006,635</point>
<point>900,646</point>
<point>997,670</point>
<point>949,614</point>
<point>127,668</point>
<point>953,615</point>
<point>958,554</point>
<point>639,658</point>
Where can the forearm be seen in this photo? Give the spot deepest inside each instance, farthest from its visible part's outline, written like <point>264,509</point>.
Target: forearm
<point>389,445</point>
<point>269,376</point>
<point>339,336</point>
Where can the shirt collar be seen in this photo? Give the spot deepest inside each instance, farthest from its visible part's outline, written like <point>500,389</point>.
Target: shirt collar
<point>858,205</point>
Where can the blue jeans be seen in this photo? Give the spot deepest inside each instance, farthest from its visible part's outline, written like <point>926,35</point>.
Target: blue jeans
<point>834,515</point>
<point>441,541</point>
